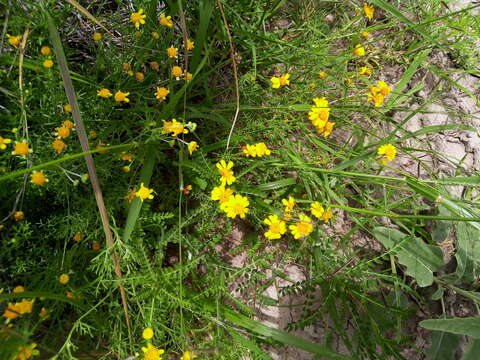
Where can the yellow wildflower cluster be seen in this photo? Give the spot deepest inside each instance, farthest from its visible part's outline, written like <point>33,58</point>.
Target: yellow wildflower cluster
<point>151,352</point>
<point>256,150</point>
<point>46,51</point>
<point>378,93</point>
<point>319,115</point>
<point>388,153</point>
<point>63,132</point>
<point>26,352</point>
<point>17,309</point>
<point>174,127</point>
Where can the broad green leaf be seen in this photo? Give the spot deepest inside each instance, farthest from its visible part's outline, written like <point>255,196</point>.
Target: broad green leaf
<point>468,252</point>
<point>462,326</point>
<point>472,352</point>
<point>442,346</point>
<point>421,260</point>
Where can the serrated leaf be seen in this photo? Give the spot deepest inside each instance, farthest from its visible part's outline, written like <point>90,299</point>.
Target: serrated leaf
<point>442,346</point>
<point>468,252</point>
<point>461,326</point>
<point>421,260</point>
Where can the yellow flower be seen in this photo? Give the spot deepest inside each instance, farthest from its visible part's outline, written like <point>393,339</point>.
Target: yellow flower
<point>68,124</point>
<point>15,310</point>
<point>144,193</point>
<point>226,172</point>
<point>26,352</point>
<point>48,63</point>
<point>161,93</point>
<point>383,88</point>
<point>152,353</point>
<point>174,127</point>
<point>236,205</point>
<point>4,142</point>
<point>359,50</point>
<point>190,44</point>
<point>67,108</point>
<point>187,355</point>
<point>64,279</point>
<point>58,145</point>
<point>188,76</point>
<point>147,333</point>
<point>388,151</point>
<point>322,75</point>
<point>319,113</point>
<point>262,149</point>
<point>166,20</point>
<point>192,146</point>
<point>172,52</point>
<point>19,215</point>
<point>126,67</point>
<point>139,76</point>
<point>289,204</point>
<point>38,178</point>
<point>155,35</point>
<point>177,72</point>
<point>14,40</point>
<point>62,132</point>
<point>121,96</point>
<point>317,209</point>
<point>375,96</point>
<point>365,70</point>
<point>327,215</point>
<point>250,150</point>
<point>97,36</point>
<point>368,10</point>
<point>365,34</point>
<point>70,295</point>
<point>283,80</point>
<point>105,93</point>
<point>302,228</point>
<point>276,227</point>
<point>221,194</point>
<point>138,18</point>
<point>125,156</point>
<point>45,50</point>
<point>21,148</point>
<point>77,237</point>
<point>18,289</point>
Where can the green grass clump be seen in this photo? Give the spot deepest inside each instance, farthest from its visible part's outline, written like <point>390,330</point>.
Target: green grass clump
<point>177,188</point>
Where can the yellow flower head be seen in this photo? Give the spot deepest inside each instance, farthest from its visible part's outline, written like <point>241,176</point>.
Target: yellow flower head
<point>48,63</point>
<point>152,353</point>
<point>375,96</point>
<point>383,88</point>
<point>283,80</point>
<point>322,75</point>
<point>62,132</point>
<point>4,142</point>
<point>138,18</point>
<point>368,10</point>
<point>187,355</point>
<point>121,96</point>
<point>237,205</point>
<point>289,204</point>
<point>14,40</point>
<point>190,44</point>
<point>388,151</point>
<point>155,35</point>
<point>104,93</point>
<point>317,209</point>
<point>45,50</point>
<point>144,193</point>
<point>188,76</point>
<point>192,146</point>
<point>174,127</point>
<point>147,333</point>
<point>166,20</point>
<point>38,178</point>
<point>161,93</point>
<point>67,108</point>
<point>15,310</point>
<point>365,34</point>
<point>262,149</point>
<point>58,145</point>
<point>18,289</point>
<point>97,36</point>
<point>64,279</point>
<point>19,215</point>
<point>68,124</point>
<point>327,215</point>
<point>26,352</point>
<point>139,76</point>
<point>172,52</point>
<point>126,67</point>
<point>365,70</point>
<point>221,194</point>
<point>77,237</point>
<point>276,227</point>
<point>226,172</point>
<point>21,148</point>
<point>250,150</point>
<point>359,50</point>
<point>302,228</point>
<point>177,72</point>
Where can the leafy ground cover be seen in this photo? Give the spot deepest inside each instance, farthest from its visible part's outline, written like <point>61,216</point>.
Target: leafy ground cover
<point>243,180</point>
